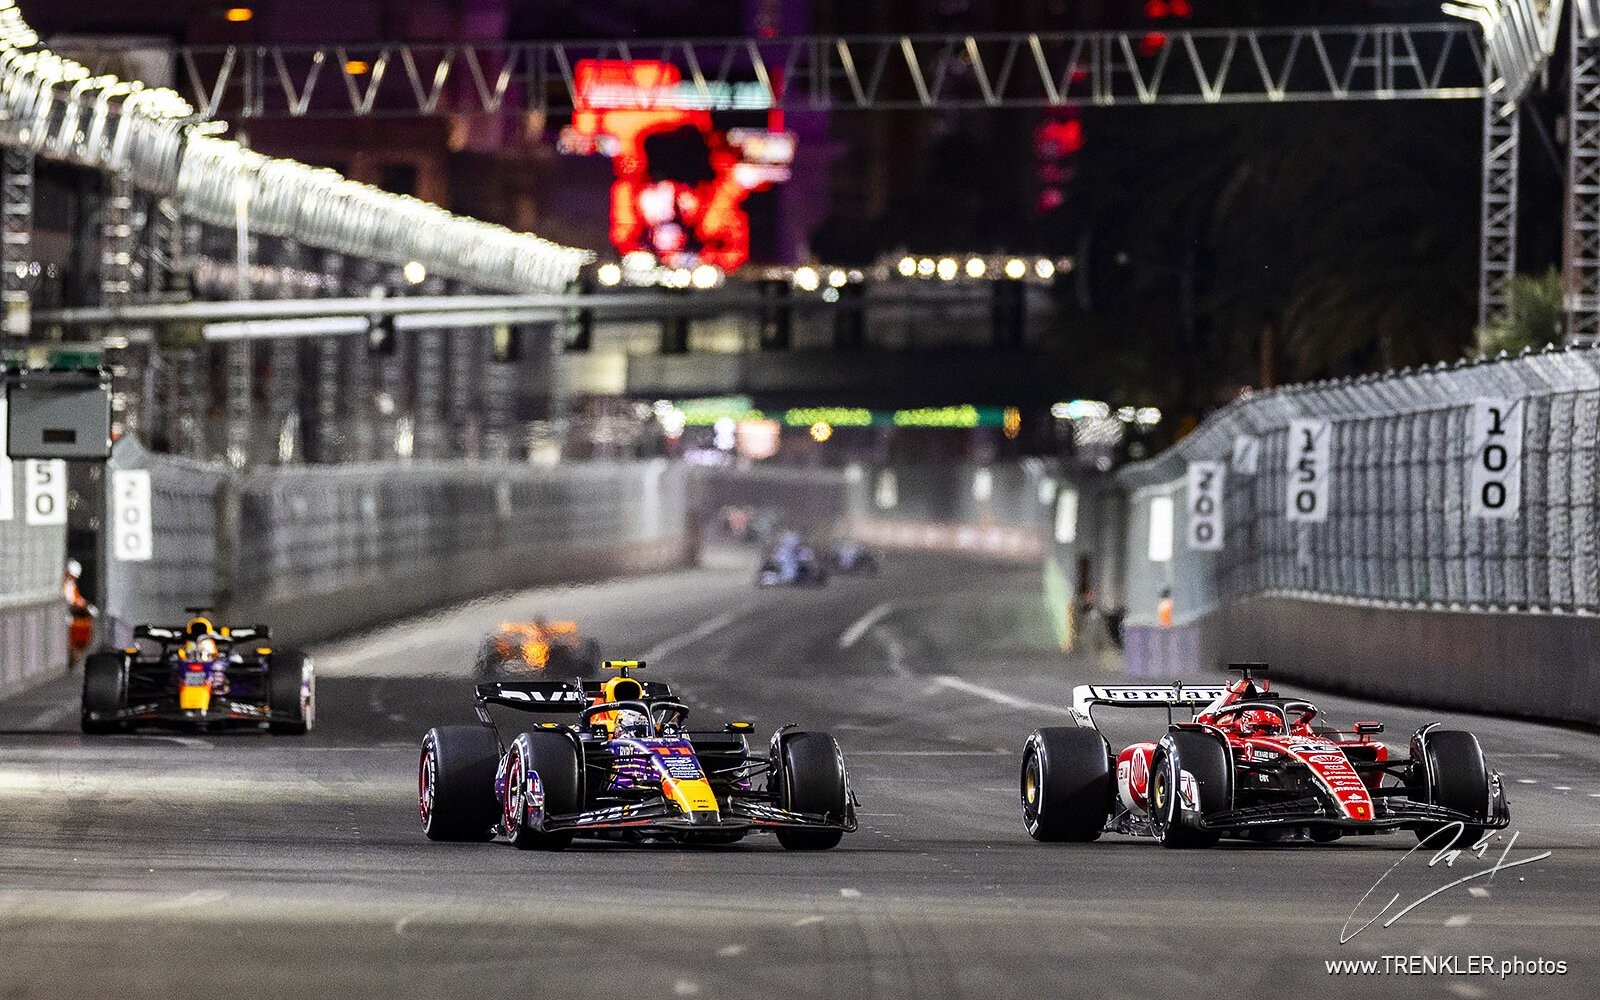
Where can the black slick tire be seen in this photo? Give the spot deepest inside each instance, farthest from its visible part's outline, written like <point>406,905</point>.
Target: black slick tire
<point>105,691</point>
<point>810,779</point>
<point>1206,758</point>
<point>291,692</point>
<point>455,783</point>
<point>1456,777</point>
<point>1066,784</point>
<point>554,759</point>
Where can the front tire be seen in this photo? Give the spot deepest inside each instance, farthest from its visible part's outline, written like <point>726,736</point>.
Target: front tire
<point>1066,784</point>
<point>811,779</point>
<point>455,783</point>
<point>291,692</point>
<point>553,758</point>
<point>1206,759</point>
<point>1459,781</point>
<point>105,692</point>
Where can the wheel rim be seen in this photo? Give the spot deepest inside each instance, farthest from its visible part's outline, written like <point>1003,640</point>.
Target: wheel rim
<point>425,786</point>
<point>1158,795</point>
<point>1031,787</point>
<point>513,805</point>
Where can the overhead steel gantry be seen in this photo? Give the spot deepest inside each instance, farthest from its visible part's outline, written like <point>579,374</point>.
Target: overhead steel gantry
<point>1494,60</point>
<point>1452,60</point>
<point>818,73</point>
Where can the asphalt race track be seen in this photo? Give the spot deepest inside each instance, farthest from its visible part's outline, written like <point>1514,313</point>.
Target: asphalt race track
<point>249,865</point>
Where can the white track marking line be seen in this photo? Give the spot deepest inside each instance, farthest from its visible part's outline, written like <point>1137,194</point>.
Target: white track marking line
<point>850,893</point>
<point>701,631</point>
<point>928,753</point>
<point>350,652</point>
<point>1458,920</point>
<point>998,697</point>
<point>730,951</point>
<point>852,635</point>
<point>808,921</point>
<point>897,656</point>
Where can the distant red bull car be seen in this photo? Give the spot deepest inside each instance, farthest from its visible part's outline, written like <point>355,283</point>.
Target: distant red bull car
<point>1251,764</point>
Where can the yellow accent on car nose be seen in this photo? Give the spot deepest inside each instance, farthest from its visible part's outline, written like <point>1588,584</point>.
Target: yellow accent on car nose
<point>194,699</point>
<point>692,795</point>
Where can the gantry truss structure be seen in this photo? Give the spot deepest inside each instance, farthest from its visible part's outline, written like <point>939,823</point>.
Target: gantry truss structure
<point>1581,261</point>
<point>1492,61</point>
<point>821,73</point>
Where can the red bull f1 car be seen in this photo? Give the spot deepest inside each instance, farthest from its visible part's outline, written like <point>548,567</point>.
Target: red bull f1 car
<point>1251,764</point>
<point>623,765</point>
<point>199,676</point>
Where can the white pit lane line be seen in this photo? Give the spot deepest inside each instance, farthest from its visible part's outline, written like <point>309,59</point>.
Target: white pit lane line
<point>704,630</point>
<point>997,697</point>
<point>852,635</point>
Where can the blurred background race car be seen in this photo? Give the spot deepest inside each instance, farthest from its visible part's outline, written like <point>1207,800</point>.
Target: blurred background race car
<point>537,648</point>
<point>851,558</point>
<point>792,561</point>
<point>198,675</point>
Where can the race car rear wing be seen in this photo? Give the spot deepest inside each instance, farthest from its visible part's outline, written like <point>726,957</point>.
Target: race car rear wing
<point>1085,697</point>
<point>165,633</point>
<point>551,697</point>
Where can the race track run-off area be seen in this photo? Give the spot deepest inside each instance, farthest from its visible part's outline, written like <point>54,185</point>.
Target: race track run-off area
<point>171,865</point>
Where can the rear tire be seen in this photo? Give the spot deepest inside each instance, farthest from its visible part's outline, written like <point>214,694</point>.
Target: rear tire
<point>554,759</point>
<point>105,691</point>
<point>291,692</point>
<point>1208,761</point>
<point>810,776</point>
<point>1066,784</point>
<point>455,783</point>
<point>1460,781</point>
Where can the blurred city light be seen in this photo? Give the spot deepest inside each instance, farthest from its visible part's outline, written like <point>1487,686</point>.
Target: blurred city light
<point>357,67</point>
<point>908,267</point>
<point>1015,268</point>
<point>837,278</point>
<point>1011,422</point>
<point>982,485</point>
<point>925,267</point>
<point>414,272</point>
<point>1044,268</point>
<point>239,15</point>
<point>705,276</point>
<point>947,269</point>
<point>821,431</point>
<point>609,274</point>
<point>806,279</point>
<point>830,294</point>
<point>976,267</point>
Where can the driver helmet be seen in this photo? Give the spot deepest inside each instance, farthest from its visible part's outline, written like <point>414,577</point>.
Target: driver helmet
<point>631,723</point>
<point>1260,722</point>
<point>201,650</point>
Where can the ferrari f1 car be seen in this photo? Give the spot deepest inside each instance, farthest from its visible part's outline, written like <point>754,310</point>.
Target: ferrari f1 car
<point>537,647</point>
<point>199,676</point>
<point>624,766</point>
<point>1250,764</point>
